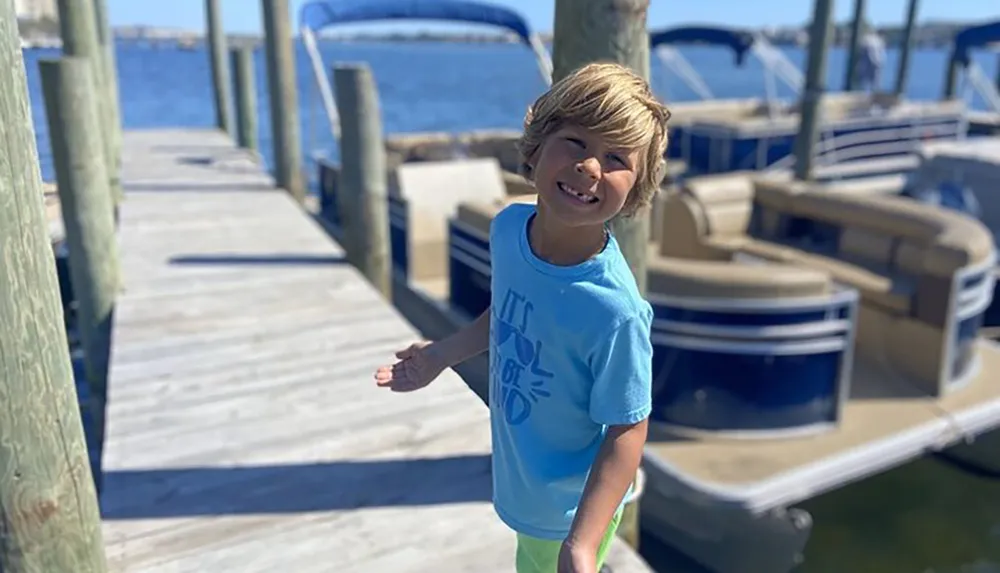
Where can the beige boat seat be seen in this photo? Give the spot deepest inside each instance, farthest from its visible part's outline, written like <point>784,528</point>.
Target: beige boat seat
<point>901,255</point>
<point>429,194</point>
<point>898,253</point>
<point>713,279</point>
<point>478,215</point>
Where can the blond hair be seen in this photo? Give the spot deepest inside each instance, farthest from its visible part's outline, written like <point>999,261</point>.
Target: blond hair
<point>614,102</point>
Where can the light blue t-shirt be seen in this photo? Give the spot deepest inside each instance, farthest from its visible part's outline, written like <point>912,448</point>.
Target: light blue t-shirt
<point>570,354</point>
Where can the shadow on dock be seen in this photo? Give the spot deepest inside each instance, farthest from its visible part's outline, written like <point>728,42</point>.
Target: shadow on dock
<point>278,260</point>
<point>298,488</point>
<point>199,187</point>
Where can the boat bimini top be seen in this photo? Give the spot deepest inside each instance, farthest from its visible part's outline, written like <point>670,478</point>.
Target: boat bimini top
<point>741,42</point>
<point>317,15</point>
<point>975,80</point>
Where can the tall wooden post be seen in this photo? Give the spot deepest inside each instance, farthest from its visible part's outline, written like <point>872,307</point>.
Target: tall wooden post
<point>220,70</point>
<point>78,28</point>
<point>363,174</point>
<point>850,75</point>
<point>284,98</point>
<point>110,74</point>
<point>812,96</point>
<point>49,518</point>
<point>245,87</point>
<point>611,30</point>
<point>82,181</point>
<point>906,47</point>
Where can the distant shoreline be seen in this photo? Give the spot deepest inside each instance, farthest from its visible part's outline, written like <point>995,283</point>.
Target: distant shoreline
<point>926,35</point>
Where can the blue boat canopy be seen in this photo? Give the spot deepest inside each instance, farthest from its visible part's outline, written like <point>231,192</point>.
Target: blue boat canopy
<point>320,14</point>
<point>316,15</point>
<point>972,38</point>
<point>739,41</point>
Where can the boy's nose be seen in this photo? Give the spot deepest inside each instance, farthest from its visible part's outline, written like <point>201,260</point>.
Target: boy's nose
<point>590,167</point>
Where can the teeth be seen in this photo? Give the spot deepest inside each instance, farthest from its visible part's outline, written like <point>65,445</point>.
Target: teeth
<point>581,196</point>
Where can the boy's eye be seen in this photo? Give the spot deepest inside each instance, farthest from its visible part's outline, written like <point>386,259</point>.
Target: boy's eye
<point>576,142</point>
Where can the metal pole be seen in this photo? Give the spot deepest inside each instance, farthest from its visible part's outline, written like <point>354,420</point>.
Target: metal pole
<point>906,47</point>
<point>852,54</point>
<point>812,96</point>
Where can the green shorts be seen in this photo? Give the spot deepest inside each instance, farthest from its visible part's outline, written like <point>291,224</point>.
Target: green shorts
<point>542,555</point>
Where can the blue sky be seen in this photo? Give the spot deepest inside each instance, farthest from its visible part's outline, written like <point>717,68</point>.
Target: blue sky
<point>244,15</point>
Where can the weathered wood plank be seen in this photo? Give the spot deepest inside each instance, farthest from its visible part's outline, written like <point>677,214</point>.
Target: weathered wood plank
<point>244,431</point>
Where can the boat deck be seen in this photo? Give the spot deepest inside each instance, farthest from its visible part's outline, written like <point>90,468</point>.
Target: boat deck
<point>244,432</point>
<point>886,422</point>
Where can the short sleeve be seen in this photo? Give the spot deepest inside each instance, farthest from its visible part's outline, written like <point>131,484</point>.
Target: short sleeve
<point>622,366</point>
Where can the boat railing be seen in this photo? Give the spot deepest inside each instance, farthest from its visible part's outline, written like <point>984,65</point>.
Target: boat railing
<point>777,67</point>
<point>671,58</point>
<point>891,140</point>
<point>320,14</point>
<point>776,62</point>
<point>322,81</point>
<point>983,86</point>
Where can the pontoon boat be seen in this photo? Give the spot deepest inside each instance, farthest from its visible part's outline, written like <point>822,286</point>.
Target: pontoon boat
<point>861,134</point>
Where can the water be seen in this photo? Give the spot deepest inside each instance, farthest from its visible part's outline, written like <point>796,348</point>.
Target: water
<point>422,87</point>
<point>925,517</point>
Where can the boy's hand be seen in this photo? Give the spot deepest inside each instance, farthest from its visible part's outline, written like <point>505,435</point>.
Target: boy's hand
<point>418,366</point>
<point>577,559</point>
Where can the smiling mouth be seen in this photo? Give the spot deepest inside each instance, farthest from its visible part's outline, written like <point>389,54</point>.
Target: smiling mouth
<point>584,198</point>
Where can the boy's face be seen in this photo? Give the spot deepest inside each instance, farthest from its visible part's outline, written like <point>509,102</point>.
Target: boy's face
<point>580,179</point>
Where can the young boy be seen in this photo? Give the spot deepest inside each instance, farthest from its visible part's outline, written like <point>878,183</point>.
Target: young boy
<point>567,330</point>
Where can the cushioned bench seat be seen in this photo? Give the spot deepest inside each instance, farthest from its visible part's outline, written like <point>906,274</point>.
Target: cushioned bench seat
<point>690,278</point>
<point>919,269</point>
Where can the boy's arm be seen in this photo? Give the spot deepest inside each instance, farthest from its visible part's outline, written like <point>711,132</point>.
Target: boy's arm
<point>469,341</point>
<point>613,471</point>
<point>621,399</point>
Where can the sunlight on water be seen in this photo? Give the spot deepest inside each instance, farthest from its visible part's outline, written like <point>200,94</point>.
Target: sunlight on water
<point>926,517</point>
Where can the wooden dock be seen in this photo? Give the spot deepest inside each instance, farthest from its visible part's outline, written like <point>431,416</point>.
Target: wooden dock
<point>244,430</point>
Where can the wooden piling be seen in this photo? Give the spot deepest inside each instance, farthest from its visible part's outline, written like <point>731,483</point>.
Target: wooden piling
<point>607,30</point>
<point>106,39</point>
<point>906,48</point>
<point>610,30</point>
<point>363,175</point>
<point>78,29</point>
<point>220,71</point>
<point>812,96</point>
<point>284,98</point>
<point>245,88</point>
<point>850,73</point>
<point>82,182</point>
<point>49,518</point>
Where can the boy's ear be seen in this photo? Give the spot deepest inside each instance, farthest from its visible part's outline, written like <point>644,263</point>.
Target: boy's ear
<point>528,167</point>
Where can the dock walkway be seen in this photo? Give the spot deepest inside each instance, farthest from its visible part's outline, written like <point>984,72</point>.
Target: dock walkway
<point>244,432</point>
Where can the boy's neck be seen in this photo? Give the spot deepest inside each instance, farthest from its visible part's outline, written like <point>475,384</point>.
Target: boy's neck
<point>562,245</point>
